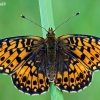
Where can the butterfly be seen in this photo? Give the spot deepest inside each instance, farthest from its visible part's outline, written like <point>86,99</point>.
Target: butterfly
<point>33,62</point>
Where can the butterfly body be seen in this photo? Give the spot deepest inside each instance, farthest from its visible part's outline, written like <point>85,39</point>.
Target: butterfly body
<point>69,61</point>
<point>51,44</point>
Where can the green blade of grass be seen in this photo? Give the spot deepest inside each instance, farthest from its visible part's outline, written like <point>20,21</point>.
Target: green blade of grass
<point>47,21</point>
<point>46,15</point>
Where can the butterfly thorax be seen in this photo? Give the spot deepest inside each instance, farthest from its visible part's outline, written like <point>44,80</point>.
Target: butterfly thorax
<point>51,54</point>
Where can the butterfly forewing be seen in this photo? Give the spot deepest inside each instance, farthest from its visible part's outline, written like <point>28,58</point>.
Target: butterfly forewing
<point>84,48</point>
<point>15,51</point>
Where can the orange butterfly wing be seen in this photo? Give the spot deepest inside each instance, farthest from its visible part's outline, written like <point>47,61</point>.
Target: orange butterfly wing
<point>77,57</point>
<point>15,51</point>
<point>31,77</point>
<point>21,57</point>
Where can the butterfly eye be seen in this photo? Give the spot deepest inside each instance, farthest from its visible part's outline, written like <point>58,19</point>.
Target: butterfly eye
<point>53,33</point>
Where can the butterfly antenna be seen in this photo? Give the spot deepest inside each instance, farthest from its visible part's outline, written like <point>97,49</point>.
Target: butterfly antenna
<point>67,20</point>
<point>33,22</point>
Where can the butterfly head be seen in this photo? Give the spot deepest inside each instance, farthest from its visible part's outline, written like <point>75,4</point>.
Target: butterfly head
<point>50,33</point>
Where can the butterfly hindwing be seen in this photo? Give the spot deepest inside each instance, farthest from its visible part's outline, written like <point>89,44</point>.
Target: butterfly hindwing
<point>14,51</point>
<point>72,76</point>
<point>31,77</point>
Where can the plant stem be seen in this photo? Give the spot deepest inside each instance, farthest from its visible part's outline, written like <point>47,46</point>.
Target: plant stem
<point>47,21</point>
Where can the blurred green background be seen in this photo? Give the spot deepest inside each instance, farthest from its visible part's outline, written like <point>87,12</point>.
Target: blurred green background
<point>11,24</point>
